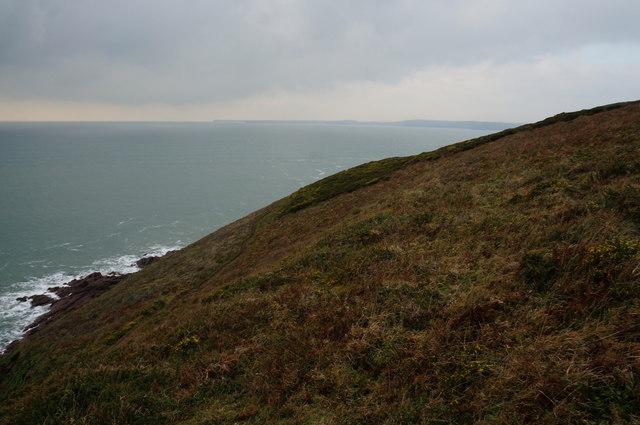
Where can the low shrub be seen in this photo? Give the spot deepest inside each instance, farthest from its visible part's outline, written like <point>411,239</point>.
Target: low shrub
<point>539,269</point>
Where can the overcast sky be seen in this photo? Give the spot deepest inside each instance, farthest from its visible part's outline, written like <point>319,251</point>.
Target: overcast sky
<point>197,60</point>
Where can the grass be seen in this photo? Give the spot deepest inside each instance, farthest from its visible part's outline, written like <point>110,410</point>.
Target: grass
<point>343,182</point>
<point>376,171</point>
<point>492,282</point>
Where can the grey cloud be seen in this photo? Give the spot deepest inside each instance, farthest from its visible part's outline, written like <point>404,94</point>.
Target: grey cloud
<point>140,51</point>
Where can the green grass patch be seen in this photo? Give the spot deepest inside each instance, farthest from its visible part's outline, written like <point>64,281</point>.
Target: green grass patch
<point>376,171</point>
<point>343,182</point>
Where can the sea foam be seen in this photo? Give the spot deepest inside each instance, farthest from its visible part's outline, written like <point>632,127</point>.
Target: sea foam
<point>16,315</point>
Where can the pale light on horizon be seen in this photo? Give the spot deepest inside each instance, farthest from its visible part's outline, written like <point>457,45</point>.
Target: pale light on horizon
<point>294,60</point>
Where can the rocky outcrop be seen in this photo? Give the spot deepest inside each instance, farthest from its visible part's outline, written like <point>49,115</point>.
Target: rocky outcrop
<point>76,293</point>
<point>38,300</point>
<point>147,261</point>
<point>72,295</point>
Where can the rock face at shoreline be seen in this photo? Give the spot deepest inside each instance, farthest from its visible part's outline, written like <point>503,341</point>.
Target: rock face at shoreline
<point>147,261</point>
<point>78,292</point>
<point>38,300</point>
<point>73,295</point>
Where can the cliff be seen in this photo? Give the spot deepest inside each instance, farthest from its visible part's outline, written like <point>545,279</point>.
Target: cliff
<point>491,281</point>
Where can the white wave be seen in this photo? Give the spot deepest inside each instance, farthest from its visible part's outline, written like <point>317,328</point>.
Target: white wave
<point>120,264</point>
<point>16,315</point>
<point>127,263</point>
<point>159,226</point>
<point>160,250</point>
<point>60,245</point>
<point>29,263</point>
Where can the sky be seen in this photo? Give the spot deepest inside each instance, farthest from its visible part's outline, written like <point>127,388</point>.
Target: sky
<point>368,60</point>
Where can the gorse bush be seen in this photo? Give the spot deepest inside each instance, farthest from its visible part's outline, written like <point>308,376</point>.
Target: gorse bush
<point>539,269</point>
<point>607,261</point>
<point>186,343</point>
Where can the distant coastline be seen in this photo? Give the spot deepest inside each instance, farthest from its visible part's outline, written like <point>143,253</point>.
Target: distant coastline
<point>468,125</point>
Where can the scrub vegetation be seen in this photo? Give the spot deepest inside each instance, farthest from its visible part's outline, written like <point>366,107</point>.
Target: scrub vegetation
<point>494,281</point>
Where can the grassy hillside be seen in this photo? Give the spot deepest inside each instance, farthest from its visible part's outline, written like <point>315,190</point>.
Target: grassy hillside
<point>495,281</point>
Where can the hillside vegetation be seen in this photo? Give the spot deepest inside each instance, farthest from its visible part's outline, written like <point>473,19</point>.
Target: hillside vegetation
<point>495,281</point>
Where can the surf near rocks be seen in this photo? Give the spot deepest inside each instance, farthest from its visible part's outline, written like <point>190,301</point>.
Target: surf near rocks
<point>78,292</point>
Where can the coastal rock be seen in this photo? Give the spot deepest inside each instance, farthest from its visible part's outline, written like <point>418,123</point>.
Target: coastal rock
<point>88,284</point>
<point>78,292</point>
<point>73,295</point>
<point>38,300</point>
<point>147,261</point>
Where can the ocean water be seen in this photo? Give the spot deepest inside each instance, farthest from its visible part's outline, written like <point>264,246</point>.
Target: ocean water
<point>84,197</point>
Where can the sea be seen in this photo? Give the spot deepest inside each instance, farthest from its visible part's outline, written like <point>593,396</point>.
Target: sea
<point>83,197</point>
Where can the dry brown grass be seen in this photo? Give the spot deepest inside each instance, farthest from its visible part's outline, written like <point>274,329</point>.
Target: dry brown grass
<point>480,287</point>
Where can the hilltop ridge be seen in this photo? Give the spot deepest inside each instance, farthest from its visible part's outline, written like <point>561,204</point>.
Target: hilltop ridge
<point>490,281</point>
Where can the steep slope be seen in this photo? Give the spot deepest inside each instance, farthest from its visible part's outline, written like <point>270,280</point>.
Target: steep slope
<point>493,281</point>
